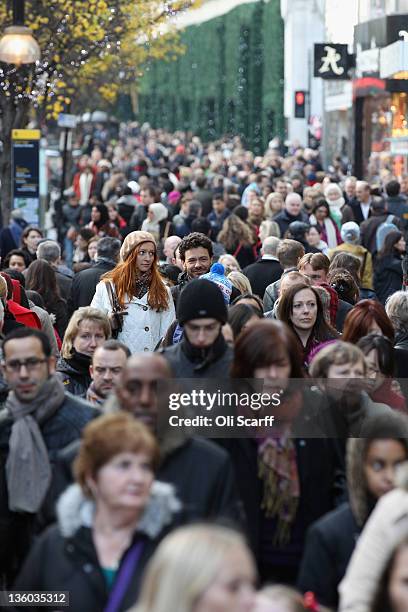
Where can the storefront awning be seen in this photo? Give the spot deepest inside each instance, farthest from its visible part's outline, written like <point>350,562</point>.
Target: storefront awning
<point>394,61</point>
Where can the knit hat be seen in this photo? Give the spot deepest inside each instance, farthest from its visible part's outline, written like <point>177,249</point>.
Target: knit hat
<point>201,299</point>
<point>217,275</point>
<point>132,240</point>
<point>350,232</point>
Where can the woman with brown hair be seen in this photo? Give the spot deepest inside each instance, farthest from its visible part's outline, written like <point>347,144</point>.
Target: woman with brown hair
<point>135,284</point>
<point>300,307</point>
<point>287,479</point>
<point>367,317</point>
<point>238,240</point>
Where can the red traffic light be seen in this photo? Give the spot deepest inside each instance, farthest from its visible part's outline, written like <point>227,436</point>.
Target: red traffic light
<point>300,98</point>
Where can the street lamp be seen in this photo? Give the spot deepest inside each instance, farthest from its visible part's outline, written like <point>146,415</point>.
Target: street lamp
<point>18,46</point>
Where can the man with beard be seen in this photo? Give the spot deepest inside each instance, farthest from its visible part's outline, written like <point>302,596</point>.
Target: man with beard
<point>339,370</point>
<point>196,253</point>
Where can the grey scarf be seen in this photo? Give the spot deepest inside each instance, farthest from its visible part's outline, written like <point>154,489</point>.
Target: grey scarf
<point>28,468</point>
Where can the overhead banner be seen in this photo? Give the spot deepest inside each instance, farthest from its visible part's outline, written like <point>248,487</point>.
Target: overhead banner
<point>331,61</point>
<point>26,173</point>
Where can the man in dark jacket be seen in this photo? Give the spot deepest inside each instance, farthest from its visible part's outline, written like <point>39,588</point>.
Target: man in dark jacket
<point>202,352</point>
<point>50,251</point>
<point>85,281</point>
<point>291,212</point>
<point>369,227</point>
<point>397,205</point>
<point>147,196</point>
<point>37,419</point>
<point>267,270</point>
<point>199,470</point>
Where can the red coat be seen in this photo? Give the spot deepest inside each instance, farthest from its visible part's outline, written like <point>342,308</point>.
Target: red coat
<point>23,315</point>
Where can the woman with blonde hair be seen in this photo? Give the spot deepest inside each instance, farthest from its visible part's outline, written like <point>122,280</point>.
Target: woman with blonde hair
<point>273,205</point>
<point>136,289</point>
<point>201,568</point>
<point>238,240</point>
<point>87,329</point>
<point>240,282</point>
<point>230,263</point>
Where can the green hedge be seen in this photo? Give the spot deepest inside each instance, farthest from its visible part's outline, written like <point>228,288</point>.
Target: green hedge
<point>230,80</point>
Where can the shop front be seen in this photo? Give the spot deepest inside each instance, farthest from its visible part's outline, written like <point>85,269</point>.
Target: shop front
<point>380,98</point>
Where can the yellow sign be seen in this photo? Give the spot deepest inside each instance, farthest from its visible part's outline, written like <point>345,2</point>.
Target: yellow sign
<point>26,134</point>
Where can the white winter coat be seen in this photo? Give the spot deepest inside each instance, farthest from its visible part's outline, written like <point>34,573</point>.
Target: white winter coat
<point>143,327</point>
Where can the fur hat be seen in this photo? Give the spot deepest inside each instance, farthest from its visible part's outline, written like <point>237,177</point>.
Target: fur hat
<point>201,299</point>
<point>132,240</point>
<point>350,232</point>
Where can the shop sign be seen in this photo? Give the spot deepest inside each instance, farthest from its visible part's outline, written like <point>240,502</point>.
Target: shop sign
<point>331,61</point>
<point>398,146</point>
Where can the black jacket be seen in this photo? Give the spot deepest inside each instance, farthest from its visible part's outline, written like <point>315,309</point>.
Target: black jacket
<point>284,219</point>
<point>321,475</point>
<point>75,377</point>
<point>84,283</point>
<point>329,545</point>
<point>262,273</point>
<point>343,309</point>
<point>64,283</point>
<point>387,276</point>
<point>200,471</point>
<point>64,558</point>
<point>184,364</point>
<point>16,529</point>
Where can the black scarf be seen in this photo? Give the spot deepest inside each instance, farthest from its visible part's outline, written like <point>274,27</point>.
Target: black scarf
<point>203,357</point>
<point>80,362</point>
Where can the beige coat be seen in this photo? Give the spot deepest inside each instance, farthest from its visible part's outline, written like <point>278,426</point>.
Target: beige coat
<point>385,529</point>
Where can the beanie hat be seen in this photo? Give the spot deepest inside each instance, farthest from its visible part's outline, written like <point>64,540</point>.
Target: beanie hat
<point>350,232</point>
<point>132,240</point>
<point>201,299</point>
<point>217,275</point>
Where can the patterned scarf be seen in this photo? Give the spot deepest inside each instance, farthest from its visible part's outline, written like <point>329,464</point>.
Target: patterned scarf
<point>277,468</point>
<point>142,284</point>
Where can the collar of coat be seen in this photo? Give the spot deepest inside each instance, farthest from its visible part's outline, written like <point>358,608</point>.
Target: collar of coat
<point>75,510</point>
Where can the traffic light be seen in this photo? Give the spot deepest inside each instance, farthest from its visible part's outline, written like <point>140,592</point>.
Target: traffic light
<point>300,104</point>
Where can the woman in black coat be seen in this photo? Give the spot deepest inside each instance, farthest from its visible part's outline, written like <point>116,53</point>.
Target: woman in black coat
<point>331,540</point>
<point>109,523</point>
<point>87,329</point>
<point>288,476</point>
<point>388,266</point>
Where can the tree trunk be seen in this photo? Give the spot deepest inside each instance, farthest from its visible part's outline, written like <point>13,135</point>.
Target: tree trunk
<point>13,117</point>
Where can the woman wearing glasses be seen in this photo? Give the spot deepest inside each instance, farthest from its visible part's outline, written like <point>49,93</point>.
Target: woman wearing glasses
<point>138,289</point>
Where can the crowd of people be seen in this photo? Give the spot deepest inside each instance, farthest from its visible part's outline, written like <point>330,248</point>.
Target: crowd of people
<point>169,260</point>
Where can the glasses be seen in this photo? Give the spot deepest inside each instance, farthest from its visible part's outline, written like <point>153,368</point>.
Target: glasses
<point>15,365</point>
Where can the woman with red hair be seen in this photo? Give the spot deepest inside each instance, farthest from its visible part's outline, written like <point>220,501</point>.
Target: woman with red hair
<point>139,291</point>
<point>367,317</point>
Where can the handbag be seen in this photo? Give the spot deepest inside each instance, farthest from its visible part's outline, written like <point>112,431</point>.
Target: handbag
<point>117,314</point>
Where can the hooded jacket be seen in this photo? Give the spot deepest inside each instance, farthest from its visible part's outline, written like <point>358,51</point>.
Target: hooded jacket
<point>330,541</point>
<point>64,558</point>
<point>385,529</point>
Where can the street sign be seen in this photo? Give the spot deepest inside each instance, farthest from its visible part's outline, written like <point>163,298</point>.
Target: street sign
<point>331,61</point>
<point>67,121</point>
<point>26,173</point>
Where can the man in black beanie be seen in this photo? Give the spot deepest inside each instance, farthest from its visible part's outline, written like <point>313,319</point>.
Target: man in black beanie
<point>203,352</point>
